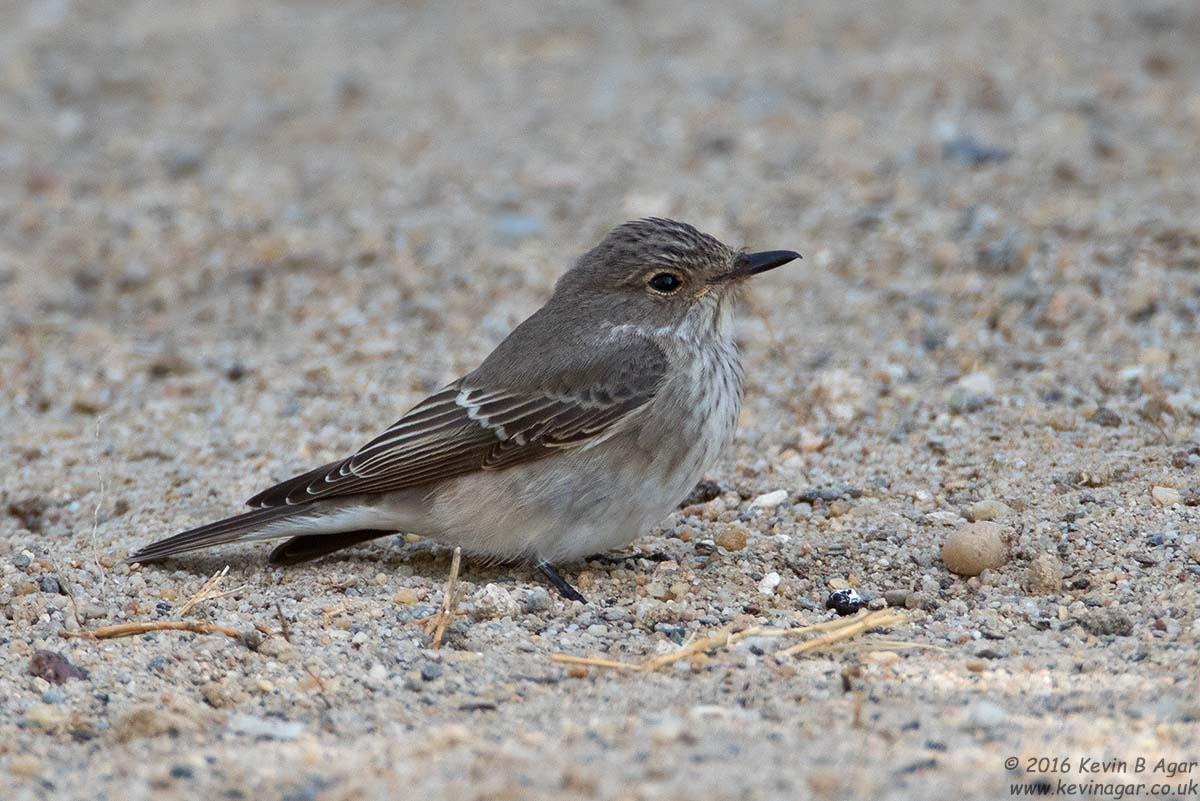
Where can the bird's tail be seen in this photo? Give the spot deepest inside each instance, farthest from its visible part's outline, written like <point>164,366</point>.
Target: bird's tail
<point>246,526</point>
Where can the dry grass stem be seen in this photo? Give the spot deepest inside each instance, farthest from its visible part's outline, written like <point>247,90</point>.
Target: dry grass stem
<point>870,646</point>
<point>284,629</point>
<point>593,662</point>
<point>856,626</point>
<point>832,632</point>
<point>449,600</point>
<point>208,591</point>
<point>134,629</point>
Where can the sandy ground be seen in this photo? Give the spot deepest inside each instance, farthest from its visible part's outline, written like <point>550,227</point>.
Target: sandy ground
<point>238,239</point>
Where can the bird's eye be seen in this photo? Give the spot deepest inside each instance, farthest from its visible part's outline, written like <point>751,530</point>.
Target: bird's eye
<point>665,283</point>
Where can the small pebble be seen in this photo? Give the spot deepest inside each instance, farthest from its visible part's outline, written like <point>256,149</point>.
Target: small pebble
<point>1166,496</point>
<point>896,598</point>
<point>971,151</point>
<point>769,583</point>
<point>975,547</point>
<point>845,602</point>
<point>979,384</point>
<point>54,667</point>
<point>405,596</point>
<point>597,629</point>
<point>182,160</point>
<point>615,614</point>
<point>656,589</point>
<point>881,657</point>
<point>50,585</point>
<point>703,492</point>
<point>431,671</point>
<point>1101,622</point>
<point>1106,417</point>
<point>537,600</point>
<point>984,716</point>
<point>493,601</point>
<point>989,509</point>
<point>1045,575</point>
<point>732,538</point>
<point>769,500</point>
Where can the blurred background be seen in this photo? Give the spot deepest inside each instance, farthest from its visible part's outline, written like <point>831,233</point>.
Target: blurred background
<point>410,166</point>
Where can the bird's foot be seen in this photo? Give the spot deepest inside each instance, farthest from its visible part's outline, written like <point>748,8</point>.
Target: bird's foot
<point>561,584</point>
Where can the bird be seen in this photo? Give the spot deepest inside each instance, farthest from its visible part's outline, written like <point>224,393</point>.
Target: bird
<point>590,422</point>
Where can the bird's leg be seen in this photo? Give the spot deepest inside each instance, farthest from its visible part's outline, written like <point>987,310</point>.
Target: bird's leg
<point>561,584</point>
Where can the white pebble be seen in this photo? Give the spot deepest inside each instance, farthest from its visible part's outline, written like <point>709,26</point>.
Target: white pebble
<point>769,583</point>
<point>978,384</point>
<point>984,715</point>
<point>769,500</point>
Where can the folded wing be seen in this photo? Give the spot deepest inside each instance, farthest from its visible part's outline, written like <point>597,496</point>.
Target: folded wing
<point>464,428</point>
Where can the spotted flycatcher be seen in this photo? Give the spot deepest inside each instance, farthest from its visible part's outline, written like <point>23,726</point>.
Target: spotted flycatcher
<point>589,423</point>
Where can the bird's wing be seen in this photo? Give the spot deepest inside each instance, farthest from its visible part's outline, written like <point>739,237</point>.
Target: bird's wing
<point>464,428</point>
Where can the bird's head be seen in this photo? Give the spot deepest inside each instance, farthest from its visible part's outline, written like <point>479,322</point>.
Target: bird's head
<point>662,275</point>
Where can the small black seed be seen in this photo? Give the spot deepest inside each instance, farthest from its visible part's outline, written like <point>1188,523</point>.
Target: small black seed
<point>845,602</point>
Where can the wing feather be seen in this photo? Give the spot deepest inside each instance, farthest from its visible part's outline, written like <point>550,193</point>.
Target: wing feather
<point>462,429</point>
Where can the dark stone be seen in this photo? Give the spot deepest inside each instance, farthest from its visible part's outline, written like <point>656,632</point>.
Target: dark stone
<point>29,511</point>
<point>827,494</point>
<point>969,150</point>
<point>181,161</point>
<point>845,602</point>
<point>54,667</point>
<point>1101,622</point>
<point>703,492</point>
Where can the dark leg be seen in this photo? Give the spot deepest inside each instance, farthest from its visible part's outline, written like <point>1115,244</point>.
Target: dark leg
<point>560,583</point>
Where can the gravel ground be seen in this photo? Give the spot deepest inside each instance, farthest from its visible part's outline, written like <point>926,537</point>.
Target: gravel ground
<point>237,239</point>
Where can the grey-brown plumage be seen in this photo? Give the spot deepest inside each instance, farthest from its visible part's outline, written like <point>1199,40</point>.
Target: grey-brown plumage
<point>589,422</point>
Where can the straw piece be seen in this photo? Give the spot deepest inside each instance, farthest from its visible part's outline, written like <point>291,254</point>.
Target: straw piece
<point>449,600</point>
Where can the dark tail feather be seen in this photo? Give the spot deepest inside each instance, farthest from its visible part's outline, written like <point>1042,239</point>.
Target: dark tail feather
<point>222,531</point>
<point>314,546</point>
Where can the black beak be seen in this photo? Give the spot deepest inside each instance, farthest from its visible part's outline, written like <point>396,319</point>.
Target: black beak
<point>748,264</point>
